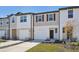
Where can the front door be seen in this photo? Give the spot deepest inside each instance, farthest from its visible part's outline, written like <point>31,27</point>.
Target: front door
<point>14,34</point>
<point>51,34</point>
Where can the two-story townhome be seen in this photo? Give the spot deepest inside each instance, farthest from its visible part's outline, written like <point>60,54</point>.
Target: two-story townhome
<point>4,27</point>
<point>21,26</point>
<point>46,25</point>
<point>69,22</point>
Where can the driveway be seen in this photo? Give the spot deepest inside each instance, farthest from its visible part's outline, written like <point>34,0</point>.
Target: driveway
<point>23,46</point>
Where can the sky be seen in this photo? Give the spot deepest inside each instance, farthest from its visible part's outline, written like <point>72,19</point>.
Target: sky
<point>7,10</point>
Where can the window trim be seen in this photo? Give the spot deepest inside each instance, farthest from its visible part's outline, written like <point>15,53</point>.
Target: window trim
<point>23,19</point>
<point>70,13</point>
<point>53,17</point>
<point>39,18</point>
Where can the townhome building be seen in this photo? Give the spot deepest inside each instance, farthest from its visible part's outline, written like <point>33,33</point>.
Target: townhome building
<point>21,26</point>
<point>53,25</point>
<point>46,25</point>
<point>4,27</point>
<point>69,22</point>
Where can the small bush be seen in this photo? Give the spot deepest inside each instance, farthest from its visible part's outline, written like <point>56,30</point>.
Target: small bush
<point>58,41</point>
<point>75,43</point>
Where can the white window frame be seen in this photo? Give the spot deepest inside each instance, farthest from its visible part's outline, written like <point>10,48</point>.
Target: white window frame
<point>39,17</point>
<point>49,17</point>
<point>23,18</point>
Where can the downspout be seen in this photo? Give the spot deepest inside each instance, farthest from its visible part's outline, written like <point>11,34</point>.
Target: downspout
<point>59,24</point>
<point>9,27</point>
<point>33,26</point>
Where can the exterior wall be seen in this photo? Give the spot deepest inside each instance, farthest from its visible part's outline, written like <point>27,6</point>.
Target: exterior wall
<point>64,18</point>
<point>46,23</point>
<point>42,32</point>
<point>41,29</point>
<point>4,29</point>
<point>23,29</point>
<point>12,25</point>
<point>24,24</point>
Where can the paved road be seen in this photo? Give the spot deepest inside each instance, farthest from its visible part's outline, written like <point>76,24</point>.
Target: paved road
<point>19,47</point>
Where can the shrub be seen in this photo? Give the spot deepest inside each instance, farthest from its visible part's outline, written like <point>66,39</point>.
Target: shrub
<point>58,41</point>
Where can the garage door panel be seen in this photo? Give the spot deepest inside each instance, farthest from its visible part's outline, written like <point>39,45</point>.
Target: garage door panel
<point>2,33</point>
<point>24,34</point>
<point>41,33</point>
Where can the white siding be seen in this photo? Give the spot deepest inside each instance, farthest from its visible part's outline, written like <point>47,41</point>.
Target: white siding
<point>24,24</point>
<point>64,18</point>
<point>42,32</point>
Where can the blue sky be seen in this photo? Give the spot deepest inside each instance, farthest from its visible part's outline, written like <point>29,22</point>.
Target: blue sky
<point>6,10</point>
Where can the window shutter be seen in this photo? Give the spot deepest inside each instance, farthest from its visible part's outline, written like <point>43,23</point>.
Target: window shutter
<point>54,17</point>
<point>55,30</point>
<point>36,19</point>
<point>42,17</point>
<point>47,17</point>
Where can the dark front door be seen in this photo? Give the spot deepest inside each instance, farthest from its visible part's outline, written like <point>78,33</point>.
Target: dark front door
<point>51,34</point>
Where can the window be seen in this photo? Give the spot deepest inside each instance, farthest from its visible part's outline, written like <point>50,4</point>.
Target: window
<point>23,19</point>
<point>55,30</point>
<point>50,17</point>
<point>70,13</point>
<point>39,18</point>
<point>63,30</point>
<point>1,23</point>
<point>7,22</point>
<point>13,20</point>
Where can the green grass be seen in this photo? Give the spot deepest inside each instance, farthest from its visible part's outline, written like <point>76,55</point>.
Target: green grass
<point>47,47</point>
<point>2,41</point>
<point>50,47</point>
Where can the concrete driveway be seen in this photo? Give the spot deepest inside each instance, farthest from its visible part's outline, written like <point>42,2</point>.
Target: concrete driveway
<point>23,46</point>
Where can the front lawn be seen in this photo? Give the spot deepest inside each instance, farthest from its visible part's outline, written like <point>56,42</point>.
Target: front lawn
<point>2,40</point>
<point>50,47</point>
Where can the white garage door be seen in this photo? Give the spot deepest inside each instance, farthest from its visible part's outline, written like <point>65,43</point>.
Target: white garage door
<point>2,33</point>
<point>41,33</point>
<point>24,34</point>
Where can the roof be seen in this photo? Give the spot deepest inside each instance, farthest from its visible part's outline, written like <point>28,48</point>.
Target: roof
<point>47,12</point>
<point>19,13</point>
<point>71,7</point>
<point>3,18</point>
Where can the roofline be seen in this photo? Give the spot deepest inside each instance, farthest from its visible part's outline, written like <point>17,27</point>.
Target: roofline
<point>3,18</point>
<point>46,12</point>
<point>23,14</point>
<point>71,7</point>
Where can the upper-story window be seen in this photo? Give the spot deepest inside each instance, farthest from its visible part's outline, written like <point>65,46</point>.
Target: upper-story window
<point>7,22</point>
<point>50,17</point>
<point>13,20</point>
<point>0,23</point>
<point>70,13</point>
<point>23,19</point>
<point>39,18</point>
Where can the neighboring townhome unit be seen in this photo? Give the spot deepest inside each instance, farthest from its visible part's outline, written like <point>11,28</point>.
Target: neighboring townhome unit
<point>46,25</point>
<point>21,26</point>
<point>69,22</point>
<point>4,28</point>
